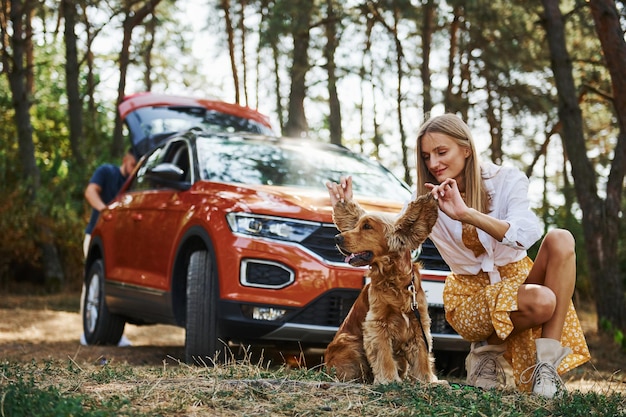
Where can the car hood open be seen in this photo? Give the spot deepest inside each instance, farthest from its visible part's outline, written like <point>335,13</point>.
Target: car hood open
<point>151,118</point>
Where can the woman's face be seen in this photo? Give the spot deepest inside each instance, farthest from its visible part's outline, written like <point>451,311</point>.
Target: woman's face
<point>444,158</point>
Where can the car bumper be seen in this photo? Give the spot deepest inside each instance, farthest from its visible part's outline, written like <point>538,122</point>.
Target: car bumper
<point>314,295</point>
<point>316,324</point>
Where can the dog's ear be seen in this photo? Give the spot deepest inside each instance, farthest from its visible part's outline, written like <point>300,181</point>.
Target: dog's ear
<point>415,224</point>
<point>346,214</point>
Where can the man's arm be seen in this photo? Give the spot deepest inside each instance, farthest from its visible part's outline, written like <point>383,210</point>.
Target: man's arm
<point>92,195</point>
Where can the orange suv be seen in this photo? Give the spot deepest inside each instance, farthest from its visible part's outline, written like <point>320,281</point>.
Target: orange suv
<point>228,234</point>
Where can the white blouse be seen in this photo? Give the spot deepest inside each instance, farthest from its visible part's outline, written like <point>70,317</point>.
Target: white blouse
<point>508,190</point>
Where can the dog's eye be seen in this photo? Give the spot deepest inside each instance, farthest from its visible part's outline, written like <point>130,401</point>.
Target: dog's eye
<point>367,226</point>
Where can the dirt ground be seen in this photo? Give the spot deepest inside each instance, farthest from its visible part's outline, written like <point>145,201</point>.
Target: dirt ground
<point>49,327</point>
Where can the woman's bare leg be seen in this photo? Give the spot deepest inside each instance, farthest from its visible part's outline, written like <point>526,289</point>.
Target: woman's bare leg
<point>544,298</point>
<point>555,268</point>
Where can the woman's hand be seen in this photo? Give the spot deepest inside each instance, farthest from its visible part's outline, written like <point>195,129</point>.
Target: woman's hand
<point>341,191</point>
<point>449,198</point>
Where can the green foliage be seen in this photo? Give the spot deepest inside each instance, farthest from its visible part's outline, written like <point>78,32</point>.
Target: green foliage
<point>16,230</point>
<point>23,399</point>
<point>108,374</point>
<point>59,208</point>
<point>618,335</point>
<point>58,204</point>
<point>465,400</point>
<point>23,395</point>
<point>587,404</point>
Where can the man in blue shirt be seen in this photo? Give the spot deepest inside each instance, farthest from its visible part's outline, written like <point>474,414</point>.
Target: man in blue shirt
<point>103,186</point>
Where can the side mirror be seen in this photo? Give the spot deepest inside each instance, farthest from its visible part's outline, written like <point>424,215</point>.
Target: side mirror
<point>168,175</point>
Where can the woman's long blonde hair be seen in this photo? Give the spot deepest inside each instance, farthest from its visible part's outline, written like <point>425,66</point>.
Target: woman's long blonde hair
<point>451,125</point>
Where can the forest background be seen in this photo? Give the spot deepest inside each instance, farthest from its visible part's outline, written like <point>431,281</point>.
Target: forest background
<point>541,84</point>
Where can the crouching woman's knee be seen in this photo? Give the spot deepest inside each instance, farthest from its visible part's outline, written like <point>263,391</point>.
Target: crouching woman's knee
<point>561,244</point>
<point>538,302</point>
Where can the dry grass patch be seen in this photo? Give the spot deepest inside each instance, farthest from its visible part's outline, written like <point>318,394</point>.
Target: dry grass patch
<point>246,388</point>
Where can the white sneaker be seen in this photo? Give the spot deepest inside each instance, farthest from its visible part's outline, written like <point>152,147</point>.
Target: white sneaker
<point>122,343</point>
<point>487,368</point>
<point>545,378</point>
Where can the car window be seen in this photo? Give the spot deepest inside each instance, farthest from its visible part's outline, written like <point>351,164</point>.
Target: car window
<point>253,162</point>
<point>177,153</point>
<point>140,182</point>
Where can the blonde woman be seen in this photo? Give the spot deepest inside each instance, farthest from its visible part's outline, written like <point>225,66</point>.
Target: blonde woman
<point>518,314</point>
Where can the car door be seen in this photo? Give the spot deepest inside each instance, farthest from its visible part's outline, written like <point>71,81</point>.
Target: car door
<point>153,217</point>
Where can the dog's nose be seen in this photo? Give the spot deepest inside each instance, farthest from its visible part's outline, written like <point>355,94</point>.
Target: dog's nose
<point>338,239</point>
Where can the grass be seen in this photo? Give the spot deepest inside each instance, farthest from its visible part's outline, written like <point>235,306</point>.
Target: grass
<point>245,388</point>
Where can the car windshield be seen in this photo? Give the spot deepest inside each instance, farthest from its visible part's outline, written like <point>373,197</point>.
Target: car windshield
<point>294,165</point>
<point>159,120</point>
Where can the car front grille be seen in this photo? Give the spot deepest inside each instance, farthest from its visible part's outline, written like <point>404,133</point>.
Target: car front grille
<point>333,307</point>
<point>430,258</point>
<point>328,310</point>
<point>322,242</point>
<point>438,322</point>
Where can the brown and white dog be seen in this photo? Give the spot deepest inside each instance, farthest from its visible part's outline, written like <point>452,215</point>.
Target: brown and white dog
<point>386,335</point>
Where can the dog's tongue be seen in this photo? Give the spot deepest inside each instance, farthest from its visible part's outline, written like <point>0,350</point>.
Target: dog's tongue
<point>349,258</point>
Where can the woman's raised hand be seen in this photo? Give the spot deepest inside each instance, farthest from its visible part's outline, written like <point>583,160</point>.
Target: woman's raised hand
<point>341,191</point>
<point>449,198</point>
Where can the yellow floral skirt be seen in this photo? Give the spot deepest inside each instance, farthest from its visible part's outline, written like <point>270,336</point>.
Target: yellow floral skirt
<point>475,308</point>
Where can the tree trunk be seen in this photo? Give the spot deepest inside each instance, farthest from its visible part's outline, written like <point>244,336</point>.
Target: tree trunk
<point>244,60</point>
<point>133,19</point>
<point>90,126</point>
<point>393,31</point>
<point>428,27</point>
<point>399,104</point>
<point>279,104</point>
<point>19,75</point>
<point>600,218</point>
<point>147,52</point>
<point>271,41</point>
<point>74,103</point>
<point>543,149</point>
<point>230,33</point>
<point>368,74</point>
<point>334,118</point>
<point>495,124</point>
<point>449,101</point>
<point>297,125</point>
<point>29,51</point>
<point>611,35</point>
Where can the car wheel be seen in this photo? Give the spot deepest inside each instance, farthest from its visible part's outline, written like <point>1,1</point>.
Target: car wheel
<point>99,325</point>
<point>201,327</point>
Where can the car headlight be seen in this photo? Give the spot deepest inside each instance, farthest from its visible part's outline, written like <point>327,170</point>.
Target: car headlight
<point>271,227</point>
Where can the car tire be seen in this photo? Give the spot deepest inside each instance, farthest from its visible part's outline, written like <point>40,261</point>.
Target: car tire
<point>100,327</point>
<point>201,324</point>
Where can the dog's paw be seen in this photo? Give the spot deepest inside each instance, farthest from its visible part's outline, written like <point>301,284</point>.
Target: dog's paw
<point>381,380</point>
<point>438,381</point>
